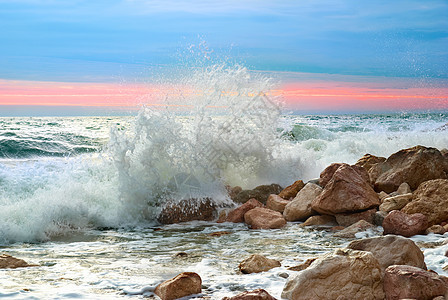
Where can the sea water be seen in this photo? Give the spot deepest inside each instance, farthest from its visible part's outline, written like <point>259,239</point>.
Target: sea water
<point>80,195</point>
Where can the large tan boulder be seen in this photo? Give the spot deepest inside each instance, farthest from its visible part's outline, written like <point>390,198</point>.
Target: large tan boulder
<point>261,193</point>
<point>188,210</point>
<point>408,282</point>
<point>292,190</point>
<point>237,215</point>
<point>430,199</point>
<point>344,274</point>
<point>182,285</point>
<point>414,166</point>
<point>258,294</point>
<point>368,161</point>
<point>349,219</point>
<point>257,263</point>
<point>395,203</point>
<point>349,190</point>
<point>391,250</point>
<point>400,223</point>
<point>277,203</point>
<point>300,207</point>
<point>10,262</point>
<point>264,218</point>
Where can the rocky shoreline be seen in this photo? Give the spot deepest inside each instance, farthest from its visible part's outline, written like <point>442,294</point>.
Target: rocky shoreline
<point>406,194</point>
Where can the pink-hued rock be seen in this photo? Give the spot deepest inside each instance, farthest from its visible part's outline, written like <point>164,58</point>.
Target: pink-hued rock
<point>237,215</point>
<point>414,166</point>
<point>292,190</point>
<point>408,282</point>
<point>259,294</point>
<point>327,173</point>
<point>352,230</point>
<point>300,207</point>
<point>257,263</point>
<point>320,220</point>
<point>277,203</point>
<point>349,190</point>
<point>188,210</point>
<point>182,285</point>
<point>344,274</point>
<point>349,219</point>
<point>368,161</point>
<point>400,223</point>
<point>10,262</point>
<point>430,199</point>
<point>391,250</point>
<point>263,218</point>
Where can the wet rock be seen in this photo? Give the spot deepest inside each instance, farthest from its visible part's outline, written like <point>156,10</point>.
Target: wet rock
<point>219,233</point>
<point>263,218</point>
<point>353,229</point>
<point>378,218</point>
<point>349,219</point>
<point>276,203</point>
<point>257,263</point>
<point>408,282</point>
<point>237,215</point>
<point>397,222</point>
<point>436,229</point>
<point>303,266</point>
<point>261,193</point>
<point>328,173</point>
<point>404,188</point>
<point>395,203</point>
<point>344,274</point>
<point>10,262</point>
<point>182,285</point>
<point>188,210</point>
<point>348,191</point>
<point>320,220</point>
<point>414,166</point>
<point>233,191</point>
<point>391,250</point>
<point>292,190</point>
<point>369,160</point>
<point>430,199</point>
<point>181,255</point>
<point>300,207</point>
<point>259,294</point>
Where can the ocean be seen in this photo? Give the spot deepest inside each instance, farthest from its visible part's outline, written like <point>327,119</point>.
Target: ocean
<point>80,195</point>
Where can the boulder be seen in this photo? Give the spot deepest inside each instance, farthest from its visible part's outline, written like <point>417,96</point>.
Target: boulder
<point>10,262</point>
<point>391,250</point>
<point>257,263</point>
<point>259,294</point>
<point>404,188</point>
<point>414,166</point>
<point>400,223</point>
<point>300,207</point>
<point>430,199</point>
<point>276,203</point>
<point>263,218</point>
<point>292,190</point>
<point>369,160</point>
<point>328,173</point>
<point>348,191</point>
<point>261,193</point>
<point>395,203</point>
<point>320,220</point>
<point>352,230</point>
<point>344,274</point>
<point>188,210</point>
<point>233,191</point>
<point>408,282</point>
<point>237,215</point>
<point>182,285</point>
<point>349,219</point>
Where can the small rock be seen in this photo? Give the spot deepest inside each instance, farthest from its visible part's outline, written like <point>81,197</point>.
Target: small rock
<point>378,218</point>
<point>395,203</point>
<point>182,285</point>
<point>277,203</point>
<point>263,218</point>
<point>292,190</point>
<point>219,233</point>
<point>237,215</point>
<point>320,220</point>
<point>404,188</point>
<point>408,282</point>
<point>349,219</point>
<point>303,266</point>
<point>283,275</point>
<point>181,255</point>
<point>257,263</point>
<point>300,207</point>
<point>259,294</point>
<point>353,229</point>
<point>436,229</point>
<point>397,222</point>
<point>383,195</point>
<point>10,262</point>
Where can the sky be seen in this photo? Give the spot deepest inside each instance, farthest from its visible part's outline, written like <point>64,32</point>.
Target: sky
<point>328,55</point>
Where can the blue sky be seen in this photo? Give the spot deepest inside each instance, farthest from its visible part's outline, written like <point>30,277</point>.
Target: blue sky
<point>108,40</point>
